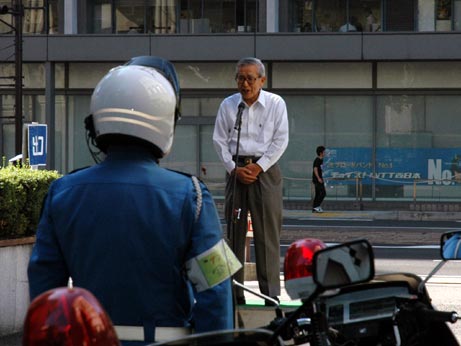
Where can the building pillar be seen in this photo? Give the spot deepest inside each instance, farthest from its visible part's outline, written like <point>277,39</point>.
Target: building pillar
<point>50,111</point>
<point>70,17</point>
<point>272,15</point>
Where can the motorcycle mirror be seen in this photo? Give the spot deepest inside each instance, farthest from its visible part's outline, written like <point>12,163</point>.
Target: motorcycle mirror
<point>450,245</point>
<point>345,264</point>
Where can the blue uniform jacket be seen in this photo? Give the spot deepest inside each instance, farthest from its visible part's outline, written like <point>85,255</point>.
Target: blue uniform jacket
<point>123,229</point>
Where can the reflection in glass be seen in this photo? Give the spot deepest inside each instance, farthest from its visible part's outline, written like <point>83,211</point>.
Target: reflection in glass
<point>129,16</point>
<point>79,155</point>
<point>183,155</point>
<point>34,17</point>
<point>161,17</point>
<point>344,264</point>
<point>197,16</point>
<point>451,245</point>
<point>212,171</point>
<point>330,15</point>
<point>55,20</point>
<point>102,16</point>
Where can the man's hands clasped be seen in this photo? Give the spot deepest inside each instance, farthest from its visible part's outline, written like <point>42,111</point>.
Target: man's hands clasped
<point>248,174</point>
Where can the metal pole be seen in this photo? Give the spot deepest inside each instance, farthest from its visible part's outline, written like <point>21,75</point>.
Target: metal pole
<point>18,13</point>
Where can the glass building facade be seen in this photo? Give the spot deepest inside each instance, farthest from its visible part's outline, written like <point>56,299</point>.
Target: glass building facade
<point>389,121</point>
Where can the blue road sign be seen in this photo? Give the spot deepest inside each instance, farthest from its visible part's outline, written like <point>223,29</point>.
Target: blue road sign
<point>37,139</point>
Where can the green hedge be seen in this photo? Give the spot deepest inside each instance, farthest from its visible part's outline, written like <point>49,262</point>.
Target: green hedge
<point>21,195</point>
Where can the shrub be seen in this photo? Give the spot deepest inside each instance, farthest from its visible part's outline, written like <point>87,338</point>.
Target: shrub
<point>22,191</point>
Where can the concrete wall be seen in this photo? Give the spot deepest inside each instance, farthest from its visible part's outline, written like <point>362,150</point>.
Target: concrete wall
<point>14,286</point>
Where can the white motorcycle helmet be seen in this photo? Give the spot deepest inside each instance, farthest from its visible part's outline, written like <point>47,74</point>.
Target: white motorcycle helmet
<point>140,99</point>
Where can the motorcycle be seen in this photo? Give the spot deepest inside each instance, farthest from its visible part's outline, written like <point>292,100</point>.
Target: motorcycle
<point>346,304</point>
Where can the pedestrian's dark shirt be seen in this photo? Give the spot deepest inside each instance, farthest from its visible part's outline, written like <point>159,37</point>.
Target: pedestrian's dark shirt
<point>318,162</point>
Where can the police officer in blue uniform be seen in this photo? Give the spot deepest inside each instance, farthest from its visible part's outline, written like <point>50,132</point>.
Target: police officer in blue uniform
<point>146,241</point>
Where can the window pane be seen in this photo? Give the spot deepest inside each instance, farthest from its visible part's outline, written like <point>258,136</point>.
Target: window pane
<point>365,15</point>
<point>302,12</point>
<point>34,14</point>
<point>419,75</point>
<point>200,106</point>
<point>183,155</point>
<point>198,16</point>
<point>344,125</point>
<point>418,153</point>
<point>8,137</point>
<point>192,17</point>
<point>79,155</point>
<point>162,16</point>
<point>426,16</point>
<point>34,108</point>
<point>60,136</point>
<point>101,16</point>
<point>444,160</point>
<point>457,15</point>
<point>7,19</point>
<point>8,140</point>
<point>34,75</point>
<point>443,15</point>
<point>348,121</point>
<point>322,75</point>
<point>55,17</point>
<point>400,130</point>
<point>400,15</point>
<point>87,75</point>
<point>206,75</point>
<point>212,171</point>
<point>221,15</point>
<point>129,16</point>
<point>330,15</point>
<point>307,127</point>
<point>249,16</point>
<point>401,122</point>
<point>442,121</point>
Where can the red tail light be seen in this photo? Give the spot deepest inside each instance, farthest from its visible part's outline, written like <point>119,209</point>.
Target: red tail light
<point>298,259</point>
<point>68,317</point>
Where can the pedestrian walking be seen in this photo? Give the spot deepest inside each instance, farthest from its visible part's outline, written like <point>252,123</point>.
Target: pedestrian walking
<point>317,180</point>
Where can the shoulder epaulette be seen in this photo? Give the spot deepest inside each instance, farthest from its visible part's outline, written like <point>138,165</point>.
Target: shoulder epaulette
<point>196,182</point>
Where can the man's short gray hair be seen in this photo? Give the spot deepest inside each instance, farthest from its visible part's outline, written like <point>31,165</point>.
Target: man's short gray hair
<point>251,61</point>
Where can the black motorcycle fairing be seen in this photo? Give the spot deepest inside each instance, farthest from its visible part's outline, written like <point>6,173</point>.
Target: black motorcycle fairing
<point>363,314</point>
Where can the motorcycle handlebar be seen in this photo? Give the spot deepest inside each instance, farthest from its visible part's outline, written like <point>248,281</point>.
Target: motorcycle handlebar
<point>440,316</point>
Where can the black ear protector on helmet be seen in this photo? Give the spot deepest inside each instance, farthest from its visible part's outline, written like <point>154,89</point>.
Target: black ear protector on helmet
<point>91,138</point>
<point>89,126</point>
<point>165,68</point>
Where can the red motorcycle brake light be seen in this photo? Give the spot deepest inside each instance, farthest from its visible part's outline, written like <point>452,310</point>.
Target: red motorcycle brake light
<point>68,317</point>
<point>298,258</point>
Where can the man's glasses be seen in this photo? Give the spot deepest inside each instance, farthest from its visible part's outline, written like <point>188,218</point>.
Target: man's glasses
<point>250,79</point>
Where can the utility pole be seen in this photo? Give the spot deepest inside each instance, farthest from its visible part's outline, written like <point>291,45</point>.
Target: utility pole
<point>17,11</point>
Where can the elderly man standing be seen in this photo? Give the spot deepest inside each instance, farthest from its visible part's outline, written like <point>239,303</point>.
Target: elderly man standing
<point>254,172</point>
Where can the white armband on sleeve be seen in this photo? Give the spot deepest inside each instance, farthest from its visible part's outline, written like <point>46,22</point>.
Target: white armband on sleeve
<point>212,266</point>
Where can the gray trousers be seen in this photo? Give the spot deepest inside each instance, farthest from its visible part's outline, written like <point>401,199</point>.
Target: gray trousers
<point>263,199</point>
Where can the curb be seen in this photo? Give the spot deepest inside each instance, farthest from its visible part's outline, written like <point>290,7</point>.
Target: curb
<point>391,215</point>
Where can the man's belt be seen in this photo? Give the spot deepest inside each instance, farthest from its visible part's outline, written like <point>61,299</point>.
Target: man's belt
<point>135,333</point>
<point>245,160</point>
